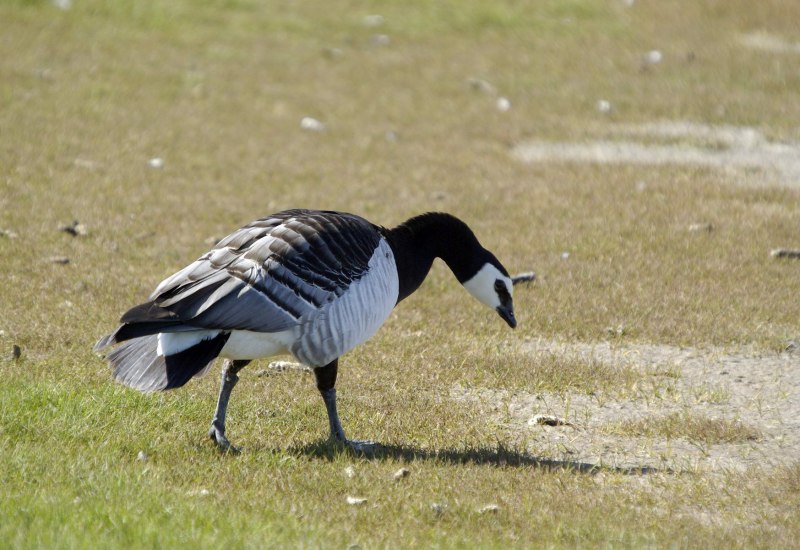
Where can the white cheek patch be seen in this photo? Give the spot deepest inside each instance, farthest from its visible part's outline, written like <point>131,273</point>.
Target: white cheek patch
<point>481,286</point>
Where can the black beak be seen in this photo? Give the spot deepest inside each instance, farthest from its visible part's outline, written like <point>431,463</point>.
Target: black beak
<point>506,311</point>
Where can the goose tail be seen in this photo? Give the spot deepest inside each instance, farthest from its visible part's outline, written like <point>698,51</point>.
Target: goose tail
<point>138,364</point>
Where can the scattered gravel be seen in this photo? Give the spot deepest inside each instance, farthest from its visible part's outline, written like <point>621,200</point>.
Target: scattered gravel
<point>701,227</point>
<point>76,229</point>
<point>311,124</point>
<point>277,367</point>
<point>603,106</point>
<point>356,501</point>
<point>489,509</point>
<point>548,420</point>
<point>791,253</point>
<point>653,57</point>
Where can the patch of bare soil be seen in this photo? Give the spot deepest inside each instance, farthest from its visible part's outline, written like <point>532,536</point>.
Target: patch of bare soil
<point>758,390</point>
<point>766,42</point>
<point>743,154</point>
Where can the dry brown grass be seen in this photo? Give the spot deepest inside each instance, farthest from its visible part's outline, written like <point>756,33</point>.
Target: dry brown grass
<point>694,427</point>
<point>217,90</point>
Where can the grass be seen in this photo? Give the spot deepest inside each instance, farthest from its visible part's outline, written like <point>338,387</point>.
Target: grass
<point>217,90</point>
<point>693,427</point>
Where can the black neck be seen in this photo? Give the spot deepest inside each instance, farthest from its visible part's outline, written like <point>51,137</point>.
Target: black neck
<point>418,241</point>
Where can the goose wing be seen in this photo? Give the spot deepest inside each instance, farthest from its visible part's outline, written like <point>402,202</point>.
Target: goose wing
<point>269,274</point>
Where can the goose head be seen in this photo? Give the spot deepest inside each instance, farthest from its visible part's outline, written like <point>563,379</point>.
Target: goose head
<point>491,285</point>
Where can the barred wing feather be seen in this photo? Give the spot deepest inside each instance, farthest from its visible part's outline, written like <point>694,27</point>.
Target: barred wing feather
<point>271,273</point>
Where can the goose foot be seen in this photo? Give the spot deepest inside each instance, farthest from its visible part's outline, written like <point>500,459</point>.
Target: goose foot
<point>217,435</point>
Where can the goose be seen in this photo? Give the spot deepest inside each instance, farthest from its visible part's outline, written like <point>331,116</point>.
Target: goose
<point>310,283</point>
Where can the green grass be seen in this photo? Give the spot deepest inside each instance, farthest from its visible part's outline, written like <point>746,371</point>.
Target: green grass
<point>217,89</point>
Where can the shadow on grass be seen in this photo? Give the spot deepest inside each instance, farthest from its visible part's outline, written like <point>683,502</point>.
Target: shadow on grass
<point>500,456</point>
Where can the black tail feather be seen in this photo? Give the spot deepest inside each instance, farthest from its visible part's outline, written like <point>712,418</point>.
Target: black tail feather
<point>136,363</point>
<point>143,320</point>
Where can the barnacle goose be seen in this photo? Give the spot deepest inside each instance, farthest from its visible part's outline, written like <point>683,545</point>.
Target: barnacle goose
<point>311,283</point>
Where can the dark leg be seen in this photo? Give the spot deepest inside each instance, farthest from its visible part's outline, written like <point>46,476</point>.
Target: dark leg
<point>229,379</point>
<point>326,380</point>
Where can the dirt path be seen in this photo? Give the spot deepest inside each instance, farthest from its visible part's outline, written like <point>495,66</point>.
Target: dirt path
<point>760,390</point>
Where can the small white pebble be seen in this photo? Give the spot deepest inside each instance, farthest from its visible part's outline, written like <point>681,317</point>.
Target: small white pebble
<point>311,124</point>
<point>374,20</point>
<point>156,162</point>
<point>401,473</point>
<point>356,501</point>
<point>604,106</point>
<point>565,255</point>
<point>503,104</point>
<point>654,57</point>
<point>489,509</point>
<point>141,457</point>
<point>283,366</point>
<point>350,472</point>
<point>696,227</point>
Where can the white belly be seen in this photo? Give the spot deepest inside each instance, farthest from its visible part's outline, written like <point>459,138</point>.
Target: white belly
<point>245,344</point>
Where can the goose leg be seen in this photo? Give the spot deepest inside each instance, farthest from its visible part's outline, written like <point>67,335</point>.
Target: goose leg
<point>229,379</point>
<point>326,380</point>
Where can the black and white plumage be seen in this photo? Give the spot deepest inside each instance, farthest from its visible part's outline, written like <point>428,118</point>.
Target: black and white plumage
<point>311,283</point>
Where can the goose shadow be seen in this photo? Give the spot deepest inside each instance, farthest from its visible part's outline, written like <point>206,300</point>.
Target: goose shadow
<point>499,456</point>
